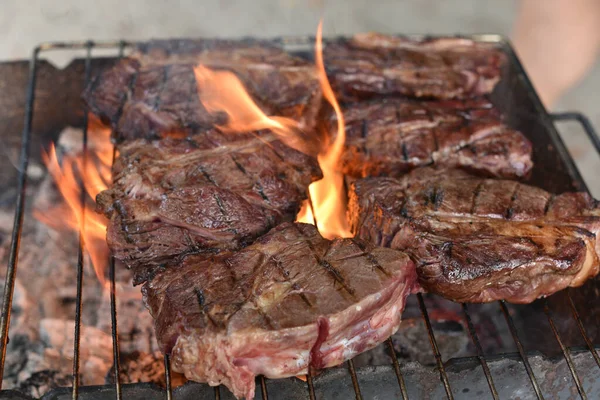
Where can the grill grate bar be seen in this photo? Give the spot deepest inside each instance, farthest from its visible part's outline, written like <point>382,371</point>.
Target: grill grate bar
<point>587,339</point>
<point>263,387</point>
<point>434,347</point>
<point>354,379</point>
<point>80,252</point>
<point>114,329</point>
<point>13,258</point>
<point>401,382</point>
<point>513,332</point>
<point>217,393</point>
<point>168,377</point>
<point>565,352</point>
<point>309,382</point>
<point>480,355</point>
<point>113,300</point>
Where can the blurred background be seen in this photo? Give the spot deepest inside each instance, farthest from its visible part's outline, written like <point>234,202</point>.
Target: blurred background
<point>23,24</point>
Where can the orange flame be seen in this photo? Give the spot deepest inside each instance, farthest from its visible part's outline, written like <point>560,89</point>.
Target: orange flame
<point>327,195</point>
<point>222,91</point>
<point>94,172</point>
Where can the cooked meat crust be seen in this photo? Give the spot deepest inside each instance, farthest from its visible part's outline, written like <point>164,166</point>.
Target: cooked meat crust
<point>392,136</point>
<point>375,65</point>
<point>154,92</point>
<point>479,240</point>
<point>289,301</point>
<point>210,192</point>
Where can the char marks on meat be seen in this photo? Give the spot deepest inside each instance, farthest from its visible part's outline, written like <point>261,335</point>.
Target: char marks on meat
<point>371,65</point>
<point>478,240</point>
<point>154,92</point>
<point>289,301</point>
<point>390,137</point>
<point>209,192</point>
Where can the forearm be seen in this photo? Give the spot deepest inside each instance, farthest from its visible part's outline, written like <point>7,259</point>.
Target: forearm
<point>558,41</point>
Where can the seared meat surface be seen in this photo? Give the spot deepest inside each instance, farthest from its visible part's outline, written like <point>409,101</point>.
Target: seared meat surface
<point>478,240</point>
<point>289,301</point>
<point>154,92</point>
<point>390,137</point>
<point>210,192</point>
<point>371,65</point>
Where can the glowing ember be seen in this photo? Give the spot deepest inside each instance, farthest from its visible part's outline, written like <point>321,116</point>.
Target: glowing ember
<point>327,195</point>
<point>95,174</point>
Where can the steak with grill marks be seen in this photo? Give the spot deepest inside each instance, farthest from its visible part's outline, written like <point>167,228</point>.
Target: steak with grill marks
<point>393,136</point>
<point>479,240</point>
<point>373,65</point>
<point>209,192</point>
<point>290,301</point>
<point>154,92</point>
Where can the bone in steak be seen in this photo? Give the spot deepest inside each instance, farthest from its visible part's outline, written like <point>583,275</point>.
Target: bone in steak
<point>390,137</point>
<point>290,301</point>
<point>209,192</point>
<point>154,91</point>
<point>373,64</point>
<point>479,240</point>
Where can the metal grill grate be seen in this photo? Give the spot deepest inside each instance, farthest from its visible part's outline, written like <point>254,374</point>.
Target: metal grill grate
<point>15,247</point>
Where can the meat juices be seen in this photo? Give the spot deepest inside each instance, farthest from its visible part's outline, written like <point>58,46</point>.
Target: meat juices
<point>290,301</point>
<point>154,92</point>
<point>479,240</point>
<point>393,136</point>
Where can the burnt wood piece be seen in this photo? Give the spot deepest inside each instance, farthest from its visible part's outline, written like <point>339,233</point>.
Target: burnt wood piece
<point>373,65</point>
<point>290,301</point>
<point>209,192</point>
<point>479,240</point>
<point>154,92</point>
<point>392,136</point>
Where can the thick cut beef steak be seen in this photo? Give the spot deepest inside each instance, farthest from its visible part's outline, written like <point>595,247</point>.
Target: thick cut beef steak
<point>209,192</point>
<point>371,65</point>
<point>290,301</point>
<point>392,136</point>
<point>154,92</point>
<point>478,240</point>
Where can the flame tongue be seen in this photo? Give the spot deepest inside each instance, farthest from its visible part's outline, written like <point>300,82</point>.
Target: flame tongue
<point>327,196</point>
<point>95,175</point>
<point>222,91</point>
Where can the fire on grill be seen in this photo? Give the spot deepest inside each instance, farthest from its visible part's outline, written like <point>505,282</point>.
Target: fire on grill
<point>227,152</point>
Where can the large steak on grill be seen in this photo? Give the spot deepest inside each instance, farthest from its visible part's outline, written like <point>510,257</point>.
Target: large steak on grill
<point>290,301</point>
<point>154,92</point>
<point>390,137</point>
<point>209,192</point>
<point>478,240</point>
<point>372,65</point>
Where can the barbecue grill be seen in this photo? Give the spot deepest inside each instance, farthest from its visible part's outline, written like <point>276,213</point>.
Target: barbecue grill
<point>567,368</point>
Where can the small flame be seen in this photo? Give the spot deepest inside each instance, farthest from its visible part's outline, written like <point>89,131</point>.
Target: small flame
<point>94,172</point>
<point>222,91</point>
<point>327,195</point>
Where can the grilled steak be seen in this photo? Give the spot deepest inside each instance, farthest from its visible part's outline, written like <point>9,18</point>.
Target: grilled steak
<point>478,240</point>
<point>210,192</point>
<point>373,64</point>
<point>154,92</point>
<point>393,136</point>
<point>289,301</point>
